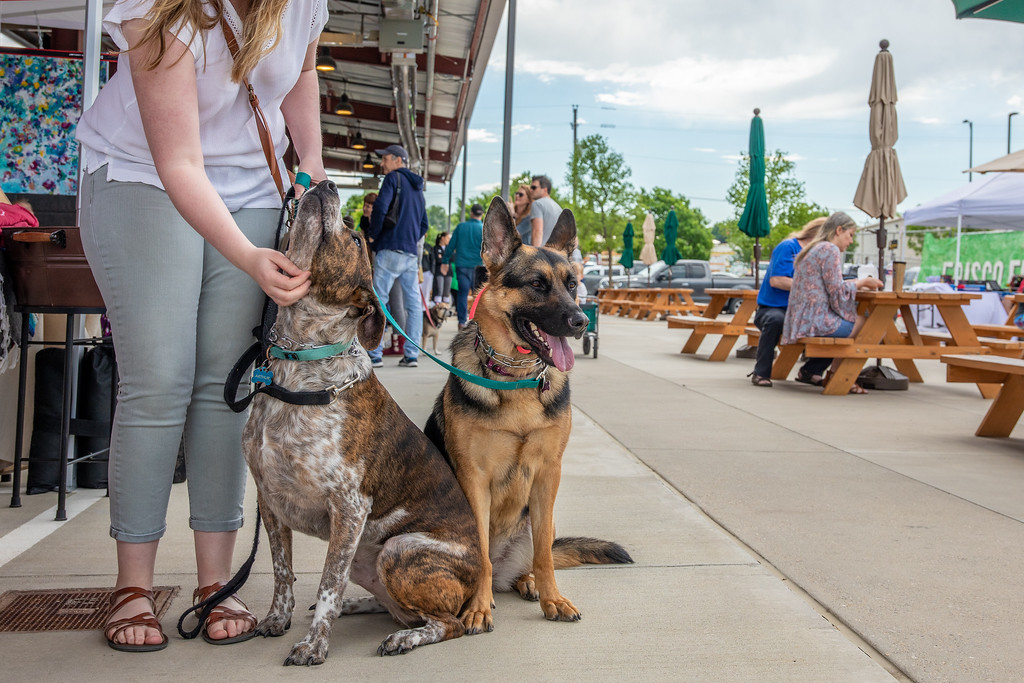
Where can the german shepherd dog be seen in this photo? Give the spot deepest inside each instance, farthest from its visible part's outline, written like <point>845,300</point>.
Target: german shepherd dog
<point>357,472</point>
<point>506,445</point>
<point>433,318</point>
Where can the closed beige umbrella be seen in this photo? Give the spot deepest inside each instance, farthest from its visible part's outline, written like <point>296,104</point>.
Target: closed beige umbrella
<point>648,255</point>
<point>881,186</point>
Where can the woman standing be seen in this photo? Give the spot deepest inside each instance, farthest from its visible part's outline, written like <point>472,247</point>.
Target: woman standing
<point>179,213</point>
<point>522,202</point>
<point>442,273</point>
<point>821,303</point>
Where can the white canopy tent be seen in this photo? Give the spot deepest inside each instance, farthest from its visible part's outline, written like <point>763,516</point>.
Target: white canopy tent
<point>995,202</point>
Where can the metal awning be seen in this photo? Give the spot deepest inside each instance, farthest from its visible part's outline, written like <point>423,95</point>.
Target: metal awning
<point>420,97</point>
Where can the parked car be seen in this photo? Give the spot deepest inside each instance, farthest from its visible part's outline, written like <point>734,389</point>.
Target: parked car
<point>690,274</point>
<point>595,277</point>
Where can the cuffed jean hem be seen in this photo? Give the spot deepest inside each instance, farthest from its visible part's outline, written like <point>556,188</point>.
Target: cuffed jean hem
<point>125,537</point>
<point>216,527</point>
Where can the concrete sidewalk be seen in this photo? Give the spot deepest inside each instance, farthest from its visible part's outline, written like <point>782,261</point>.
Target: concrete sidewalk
<point>773,530</point>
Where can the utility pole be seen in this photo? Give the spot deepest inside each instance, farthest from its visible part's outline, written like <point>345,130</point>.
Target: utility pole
<point>575,108</point>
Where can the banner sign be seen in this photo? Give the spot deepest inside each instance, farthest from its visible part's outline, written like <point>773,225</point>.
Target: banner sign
<point>992,256</point>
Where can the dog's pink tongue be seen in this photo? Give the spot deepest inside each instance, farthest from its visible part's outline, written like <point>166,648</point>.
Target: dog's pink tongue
<point>561,353</point>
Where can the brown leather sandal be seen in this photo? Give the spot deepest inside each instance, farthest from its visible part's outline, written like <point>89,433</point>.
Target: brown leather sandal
<point>221,613</point>
<point>113,629</point>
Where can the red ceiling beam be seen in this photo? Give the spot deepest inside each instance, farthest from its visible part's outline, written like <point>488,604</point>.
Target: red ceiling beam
<point>371,56</point>
<point>377,112</point>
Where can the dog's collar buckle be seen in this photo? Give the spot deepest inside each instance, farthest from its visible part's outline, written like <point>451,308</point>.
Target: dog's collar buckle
<point>335,391</point>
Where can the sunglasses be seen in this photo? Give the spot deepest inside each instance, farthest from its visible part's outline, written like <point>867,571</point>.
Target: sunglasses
<point>520,194</point>
<point>534,187</point>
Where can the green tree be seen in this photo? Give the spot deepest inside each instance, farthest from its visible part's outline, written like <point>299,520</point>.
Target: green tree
<point>787,210</point>
<point>604,195</point>
<point>695,239</point>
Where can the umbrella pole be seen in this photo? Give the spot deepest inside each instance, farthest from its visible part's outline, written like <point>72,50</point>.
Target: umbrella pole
<point>757,263</point>
<point>882,238</point>
<point>956,262</point>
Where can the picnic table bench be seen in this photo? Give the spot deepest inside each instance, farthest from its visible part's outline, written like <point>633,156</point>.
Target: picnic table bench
<point>709,322</point>
<point>879,338</point>
<point>1008,405</point>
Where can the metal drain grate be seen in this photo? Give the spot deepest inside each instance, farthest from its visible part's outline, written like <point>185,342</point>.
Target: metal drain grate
<point>65,609</point>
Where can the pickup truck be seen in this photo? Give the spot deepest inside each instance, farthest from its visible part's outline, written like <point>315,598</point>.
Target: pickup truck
<point>690,274</point>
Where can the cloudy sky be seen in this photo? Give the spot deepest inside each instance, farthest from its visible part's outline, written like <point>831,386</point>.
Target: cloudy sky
<point>673,85</point>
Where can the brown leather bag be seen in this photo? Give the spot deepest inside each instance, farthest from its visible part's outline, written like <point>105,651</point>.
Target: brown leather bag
<point>261,121</point>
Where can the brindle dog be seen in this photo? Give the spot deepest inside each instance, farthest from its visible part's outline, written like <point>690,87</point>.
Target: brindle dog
<point>356,473</point>
<point>506,445</point>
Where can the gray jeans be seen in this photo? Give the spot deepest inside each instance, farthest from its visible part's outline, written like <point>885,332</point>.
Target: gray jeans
<point>181,316</point>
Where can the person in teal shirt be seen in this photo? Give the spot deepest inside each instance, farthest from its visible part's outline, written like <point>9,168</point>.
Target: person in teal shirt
<point>465,247</point>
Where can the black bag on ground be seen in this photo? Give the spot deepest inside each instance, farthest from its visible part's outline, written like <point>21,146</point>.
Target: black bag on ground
<point>44,448</point>
<point>96,375</point>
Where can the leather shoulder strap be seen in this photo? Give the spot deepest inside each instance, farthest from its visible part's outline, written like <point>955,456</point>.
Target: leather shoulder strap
<point>261,122</point>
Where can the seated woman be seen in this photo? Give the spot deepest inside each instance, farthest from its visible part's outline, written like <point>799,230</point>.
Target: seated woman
<point>772,300</point>
<point>821,303</point>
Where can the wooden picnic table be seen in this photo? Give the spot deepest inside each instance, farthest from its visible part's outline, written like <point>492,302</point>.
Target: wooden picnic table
<point>645,303</point>
<point>709,322</point>
<point>880,338</point>
<point>1008,373</point>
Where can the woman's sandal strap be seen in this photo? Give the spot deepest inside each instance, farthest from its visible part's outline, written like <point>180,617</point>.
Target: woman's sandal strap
<point>221,613</point>
<point>122,596</point>
<point>112,629</point>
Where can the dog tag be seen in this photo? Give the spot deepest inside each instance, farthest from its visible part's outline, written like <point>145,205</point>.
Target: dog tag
<point>262,376</point>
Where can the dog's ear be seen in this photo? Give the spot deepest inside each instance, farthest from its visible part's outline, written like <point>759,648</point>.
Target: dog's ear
<point>563,236</point>
<point>370,327</point>
<point>500,237</point>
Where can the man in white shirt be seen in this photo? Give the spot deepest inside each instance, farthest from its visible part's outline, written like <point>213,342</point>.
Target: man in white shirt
<point>544,212</point>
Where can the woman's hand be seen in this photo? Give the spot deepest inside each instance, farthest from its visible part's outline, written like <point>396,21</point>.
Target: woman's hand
<point>872,283</point>
<point>265,266</point>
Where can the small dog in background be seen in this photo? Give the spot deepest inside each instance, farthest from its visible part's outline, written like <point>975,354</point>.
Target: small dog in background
<point>433,317</point>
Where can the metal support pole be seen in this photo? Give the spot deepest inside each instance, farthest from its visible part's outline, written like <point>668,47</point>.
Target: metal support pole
<point>449,214</point>
<point>970,150</point>
<point>1009,119</point>
<point>575,109</point>
<point>510,62</point>
<point>465,157</point>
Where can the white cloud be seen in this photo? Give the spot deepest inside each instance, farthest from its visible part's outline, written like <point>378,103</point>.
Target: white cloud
<point>929,120</point>
<point>481,135</point>
<point>518,128</point>
<point>709,150</point>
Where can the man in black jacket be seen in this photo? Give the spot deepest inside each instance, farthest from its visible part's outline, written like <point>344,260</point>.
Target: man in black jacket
<point>396,247</point>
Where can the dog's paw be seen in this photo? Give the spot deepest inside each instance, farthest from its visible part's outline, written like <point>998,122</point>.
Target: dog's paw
<point>527,588</point>
<point>395,644</point>
<point>477,621</point>
<point>307,654</point>
<point>560,609</point>
<point>273,625</point>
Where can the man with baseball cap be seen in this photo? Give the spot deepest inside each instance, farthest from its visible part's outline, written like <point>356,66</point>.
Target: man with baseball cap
<point>396,247</point>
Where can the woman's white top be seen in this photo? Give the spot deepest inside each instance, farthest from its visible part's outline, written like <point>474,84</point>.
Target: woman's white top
<point>111,133</point>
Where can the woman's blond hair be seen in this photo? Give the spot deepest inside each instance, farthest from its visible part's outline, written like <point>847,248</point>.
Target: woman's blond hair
<point>809,230</point>
<point>833,224</point>
<point>521,214</point>
<point>261,28</point>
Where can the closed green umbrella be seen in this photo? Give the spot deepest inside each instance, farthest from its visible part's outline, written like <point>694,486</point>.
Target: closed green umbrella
<point>1006,10</point>
<point>671,254</point>
<point>627,246</point>
<point>754,221</point>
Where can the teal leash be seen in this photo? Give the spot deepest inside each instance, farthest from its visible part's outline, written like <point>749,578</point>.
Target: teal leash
<point>534,383</point>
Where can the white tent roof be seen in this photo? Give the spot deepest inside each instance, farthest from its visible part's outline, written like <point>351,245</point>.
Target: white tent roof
<point>993,202</point>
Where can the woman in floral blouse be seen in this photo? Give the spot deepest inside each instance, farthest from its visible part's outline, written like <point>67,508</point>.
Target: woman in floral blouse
<point>821,303</point>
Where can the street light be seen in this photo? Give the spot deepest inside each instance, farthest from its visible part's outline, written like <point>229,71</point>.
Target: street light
<point>1009,118</point>
<point>970,150</point>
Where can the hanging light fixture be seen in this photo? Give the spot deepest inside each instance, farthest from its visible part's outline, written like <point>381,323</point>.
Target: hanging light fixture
<point>344,106</point>
<point>358,142</point>
<point>368,162</point>
<point>324,60</point>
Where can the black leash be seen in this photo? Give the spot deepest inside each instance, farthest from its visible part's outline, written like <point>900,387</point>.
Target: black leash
<point>204,608</point>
